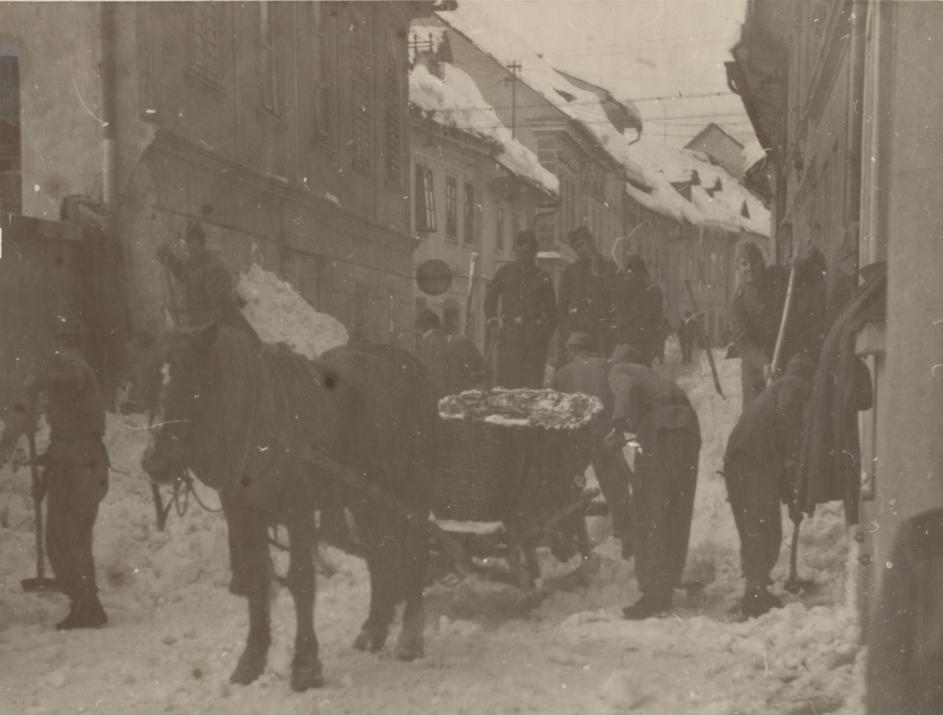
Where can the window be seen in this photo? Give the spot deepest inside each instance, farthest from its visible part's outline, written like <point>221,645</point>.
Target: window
<point>425,200</point>
<point>451,209</point>
<point>206,21</point>
<point>11,197</point>
<point>322,72</point>
<point>393,124</point>
<point>271,98</point>
<point>362,124</point>
<point>469,234</point>
<point>499,230</point>
<point>515,224</point>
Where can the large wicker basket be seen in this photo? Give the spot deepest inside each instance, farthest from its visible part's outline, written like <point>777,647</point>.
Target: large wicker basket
<point>510,474</point>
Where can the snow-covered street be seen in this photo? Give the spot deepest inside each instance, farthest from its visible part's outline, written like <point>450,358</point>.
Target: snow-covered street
<point>175,632</point>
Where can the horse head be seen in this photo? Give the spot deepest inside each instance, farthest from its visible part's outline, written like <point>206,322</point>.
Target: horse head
<point>175,386</point>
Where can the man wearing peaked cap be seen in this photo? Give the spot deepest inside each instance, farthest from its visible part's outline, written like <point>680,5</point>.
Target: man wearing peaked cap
<point>521,311</point>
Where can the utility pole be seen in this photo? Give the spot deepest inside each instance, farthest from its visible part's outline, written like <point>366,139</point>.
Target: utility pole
<point>514,67</point>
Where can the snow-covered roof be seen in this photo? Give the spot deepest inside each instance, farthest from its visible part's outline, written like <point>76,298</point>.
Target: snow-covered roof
<point>716,197</point>
<point>646,163</point>
<point>475,21</point>
<point>456,101</point>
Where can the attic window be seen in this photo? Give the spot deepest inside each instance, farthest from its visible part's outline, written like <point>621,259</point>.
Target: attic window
<point>695,178</point>
<point>744,211</point>
<point>566,95</point>
<point>683,188</point>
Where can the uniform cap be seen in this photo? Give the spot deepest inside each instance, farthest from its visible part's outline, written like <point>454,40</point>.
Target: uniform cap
<point>579,341</point>
<point>580,233</point>
<point>428,319</point>
<point>634,262</point>
<point>194,232</point>
<point>749,251</point>
<point>526,238</point>
<point>627,353</point>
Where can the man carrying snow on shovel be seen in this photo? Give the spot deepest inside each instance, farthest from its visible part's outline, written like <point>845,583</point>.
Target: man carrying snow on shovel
<point>759,469</point>
<point>209,296</point>
<point>76,471</point>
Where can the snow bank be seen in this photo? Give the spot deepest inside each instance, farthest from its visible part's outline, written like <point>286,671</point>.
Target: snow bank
<point>280,315</point>
<point>175,633</point>
<point>456,101</point>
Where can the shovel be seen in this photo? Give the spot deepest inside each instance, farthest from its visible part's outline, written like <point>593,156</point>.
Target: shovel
<point>41,582</point>
<point>794,584</point>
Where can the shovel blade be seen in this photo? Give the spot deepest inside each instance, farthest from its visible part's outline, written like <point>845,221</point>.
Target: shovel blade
<point>40,584</point>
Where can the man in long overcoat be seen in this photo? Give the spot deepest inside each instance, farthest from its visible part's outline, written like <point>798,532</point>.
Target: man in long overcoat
<point>525,319</point>
<point>666,427</point>
<point>585,296</point>
<point>638,309</point>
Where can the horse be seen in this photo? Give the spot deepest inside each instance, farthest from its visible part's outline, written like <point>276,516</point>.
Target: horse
<point>246,417</point>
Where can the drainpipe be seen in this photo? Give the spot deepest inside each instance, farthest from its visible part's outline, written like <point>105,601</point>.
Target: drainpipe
<point>855,125</point>
<point>108,36</point>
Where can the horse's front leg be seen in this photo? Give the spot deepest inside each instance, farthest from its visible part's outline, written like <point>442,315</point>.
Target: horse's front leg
<point>306,667</point>
<point>250,541</point>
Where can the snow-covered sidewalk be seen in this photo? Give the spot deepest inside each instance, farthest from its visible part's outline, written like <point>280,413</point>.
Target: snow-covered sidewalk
<point>175,632</point>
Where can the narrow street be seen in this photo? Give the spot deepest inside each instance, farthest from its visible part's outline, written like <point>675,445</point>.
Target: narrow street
<point>175,632</point>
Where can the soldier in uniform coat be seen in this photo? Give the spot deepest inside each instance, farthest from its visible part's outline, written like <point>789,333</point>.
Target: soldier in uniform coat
<point>209,296</point>
<point>585,296</point>
<point>525,319</point>
<point>754,316</point>
<point>453,361</point>
<point>665,424</point>
<point>75,477</point>
<point>638,309</point>
<point>759,469</point>
<point>589,374</point>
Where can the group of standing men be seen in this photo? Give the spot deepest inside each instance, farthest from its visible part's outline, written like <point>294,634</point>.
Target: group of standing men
<point>595,298</point>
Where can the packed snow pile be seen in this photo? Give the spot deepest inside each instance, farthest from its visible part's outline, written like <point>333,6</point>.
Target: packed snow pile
<point>522,407</point>
<point>280,315</point>
<point>456,101</point>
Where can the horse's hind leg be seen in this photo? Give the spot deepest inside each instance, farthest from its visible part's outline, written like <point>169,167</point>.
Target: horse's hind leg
<point>251,541</point>
<point>306,667</point>
<point>382,559</point>
<point>415,562</point>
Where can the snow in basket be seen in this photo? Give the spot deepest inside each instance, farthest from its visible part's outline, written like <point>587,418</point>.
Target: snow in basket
<point>544,409</point>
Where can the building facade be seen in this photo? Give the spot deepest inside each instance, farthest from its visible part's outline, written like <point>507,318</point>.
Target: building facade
<point>283,127</point>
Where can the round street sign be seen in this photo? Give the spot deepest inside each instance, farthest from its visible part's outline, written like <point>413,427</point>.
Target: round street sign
<point>433,276</point>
